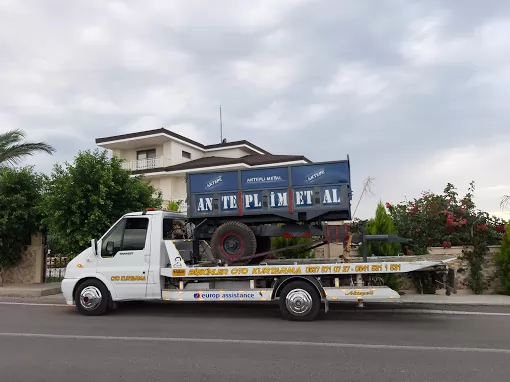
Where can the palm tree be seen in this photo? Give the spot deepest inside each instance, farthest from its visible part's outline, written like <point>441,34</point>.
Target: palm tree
<point>13,150</point>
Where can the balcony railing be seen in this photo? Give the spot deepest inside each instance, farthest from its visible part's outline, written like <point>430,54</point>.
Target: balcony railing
<point>144,164</point>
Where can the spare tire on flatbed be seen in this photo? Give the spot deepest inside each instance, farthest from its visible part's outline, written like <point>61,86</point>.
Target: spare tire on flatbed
<point>233,241</point>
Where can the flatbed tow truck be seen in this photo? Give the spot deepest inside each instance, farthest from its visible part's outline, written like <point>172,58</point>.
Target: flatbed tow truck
<point>219,251</point>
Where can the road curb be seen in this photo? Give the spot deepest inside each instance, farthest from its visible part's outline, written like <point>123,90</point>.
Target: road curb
<point>29,291</point>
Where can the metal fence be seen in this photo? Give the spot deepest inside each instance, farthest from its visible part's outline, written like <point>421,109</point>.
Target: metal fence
<point>54,264</point>
<point>55,269</point>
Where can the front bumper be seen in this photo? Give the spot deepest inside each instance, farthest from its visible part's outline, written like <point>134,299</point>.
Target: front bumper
<point>67,289</point>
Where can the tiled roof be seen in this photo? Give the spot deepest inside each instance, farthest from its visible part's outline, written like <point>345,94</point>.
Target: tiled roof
<point>162,130</point>
<point>250,160</point>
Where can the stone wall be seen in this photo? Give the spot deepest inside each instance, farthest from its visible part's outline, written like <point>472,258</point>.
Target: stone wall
<point>460,266</point>
<point>30,269</point>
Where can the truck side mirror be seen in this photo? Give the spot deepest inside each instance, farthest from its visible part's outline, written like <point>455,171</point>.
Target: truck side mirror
<point>93,245</point>
<point>110,246</point>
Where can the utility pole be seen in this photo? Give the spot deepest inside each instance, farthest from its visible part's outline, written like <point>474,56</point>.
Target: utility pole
<point>221,127</point>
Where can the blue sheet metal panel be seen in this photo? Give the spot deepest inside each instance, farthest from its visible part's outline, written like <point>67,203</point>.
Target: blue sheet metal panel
<point>320,174</point>
<point>213,182</point>
<point>258,179</point>
<point>316,186</point>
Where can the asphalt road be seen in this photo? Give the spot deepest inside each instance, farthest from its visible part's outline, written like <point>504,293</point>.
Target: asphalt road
<point>141,342</point>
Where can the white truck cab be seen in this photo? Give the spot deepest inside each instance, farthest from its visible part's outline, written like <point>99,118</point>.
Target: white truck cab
<point>148,256</point>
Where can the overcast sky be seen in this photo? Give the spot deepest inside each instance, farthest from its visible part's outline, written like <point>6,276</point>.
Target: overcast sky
<point>416,92</point>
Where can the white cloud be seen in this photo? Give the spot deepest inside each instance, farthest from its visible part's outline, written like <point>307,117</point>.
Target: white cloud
<point>415,93</point>
<point>428,43</point>
<point>483,163</point>
<point>285,116</point>
<point>255,15</point>
<point>95,34</point>
<point>357,80</point>
<point>499,188</point>
<point>92,105</point>
<point>190,131</point>
<point>369,89</point>
<point>270,74</point>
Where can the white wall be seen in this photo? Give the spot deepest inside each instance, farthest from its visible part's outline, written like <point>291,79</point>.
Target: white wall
<point>130,155</point>
<point>228,153</point>
<point>165,185</point>
<point>172,187</point>
<point>179,187</point>
<point>174,149</point>
<point>155,182</point>
<point>172,152</point>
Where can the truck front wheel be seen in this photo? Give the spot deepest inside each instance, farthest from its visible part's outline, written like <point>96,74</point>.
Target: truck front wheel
<point>92,298</point>
<point>299,301</point>
<point>233,241</point>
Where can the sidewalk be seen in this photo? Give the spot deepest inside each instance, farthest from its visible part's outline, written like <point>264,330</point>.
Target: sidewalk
<point>464,299</point>
<point>30,290</point>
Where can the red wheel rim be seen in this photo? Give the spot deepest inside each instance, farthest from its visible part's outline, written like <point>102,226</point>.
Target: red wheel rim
<point>231,245</point>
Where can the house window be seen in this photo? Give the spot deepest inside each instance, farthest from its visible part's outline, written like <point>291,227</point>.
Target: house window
<point>145,159</point>
<point>145,154</point>
<point>186,154</point>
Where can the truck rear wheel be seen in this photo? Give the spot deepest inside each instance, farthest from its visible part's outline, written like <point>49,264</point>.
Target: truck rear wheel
<point>92,298</point>
<point>299,301</point>
<point>232,241</point>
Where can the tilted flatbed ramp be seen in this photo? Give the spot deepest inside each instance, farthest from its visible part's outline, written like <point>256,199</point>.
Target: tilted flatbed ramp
<point>301,269</point>
<point>216,282</point>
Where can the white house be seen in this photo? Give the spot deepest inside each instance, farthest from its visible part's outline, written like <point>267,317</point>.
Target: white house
<point>164,158</point>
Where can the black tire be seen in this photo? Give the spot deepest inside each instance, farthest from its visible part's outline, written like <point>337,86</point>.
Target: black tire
<point>306,298</point>
<point>263,245</point>
<point>92,298</point>
<point>232,241</point>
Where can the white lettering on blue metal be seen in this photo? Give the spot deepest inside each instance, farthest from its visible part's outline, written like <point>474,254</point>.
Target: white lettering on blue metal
<point>214,182</point>
<point>315,175</point>
<point>228,202</point>
<point>331,196</point>
<point>252,201</point>
<point>277,199</point>
<point>264,179</point>
<point>304,198</point>
<point>205,204</point>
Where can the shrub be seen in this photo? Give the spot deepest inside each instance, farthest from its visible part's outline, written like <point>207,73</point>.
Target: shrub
<point>503,260</point>
<point>20,191</point>
<point>449,220</point>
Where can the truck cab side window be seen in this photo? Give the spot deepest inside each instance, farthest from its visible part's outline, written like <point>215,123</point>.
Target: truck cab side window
<point>115,237</point>
<point>135,234</point>
<point>129,234</point>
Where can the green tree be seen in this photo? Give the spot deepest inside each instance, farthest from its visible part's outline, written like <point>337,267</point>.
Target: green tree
<point>13,149</point>
<point>82,200</point>
<point>382,224</point>
<point>20,191</point>
<point>503,260</point>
